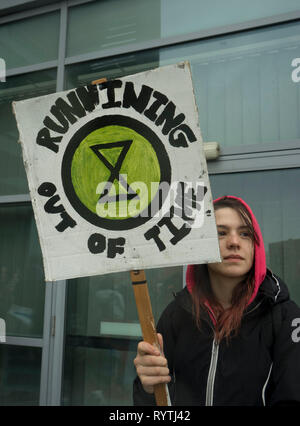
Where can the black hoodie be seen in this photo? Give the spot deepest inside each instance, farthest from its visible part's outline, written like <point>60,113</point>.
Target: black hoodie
<point>260,366</point>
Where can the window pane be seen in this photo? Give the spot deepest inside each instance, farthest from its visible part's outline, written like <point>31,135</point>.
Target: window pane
<point>86,72</point>
<point>22,286</point>
<point>243,82</point>
<point>31,41</point>
<point>243,85</point>
<point>20,369</point>
<point>110,298</point>
<point>180,17</point>
<point>106,24</point>
<point>12,172</point>
<point>102,332</point>
<point>273,197</point>
<point>96,376</point>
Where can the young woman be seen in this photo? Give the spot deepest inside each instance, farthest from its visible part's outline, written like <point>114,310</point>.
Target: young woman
<point>230,336</point>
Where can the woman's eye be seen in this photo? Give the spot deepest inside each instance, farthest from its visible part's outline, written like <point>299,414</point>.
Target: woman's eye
<point>245,234</point>
<point>221,233</point>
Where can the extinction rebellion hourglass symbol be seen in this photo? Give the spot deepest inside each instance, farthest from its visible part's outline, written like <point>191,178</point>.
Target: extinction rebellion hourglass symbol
<point>129,193</point>
<point>101,166</point>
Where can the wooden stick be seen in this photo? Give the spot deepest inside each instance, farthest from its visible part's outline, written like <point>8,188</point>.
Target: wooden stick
<point>143,304</point>
<point>101,80</point>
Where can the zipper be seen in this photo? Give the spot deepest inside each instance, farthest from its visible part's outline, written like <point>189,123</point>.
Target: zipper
<point>212,374</point>
<point>213,364</point>
<point>265,385</point>
<point>278,286</point>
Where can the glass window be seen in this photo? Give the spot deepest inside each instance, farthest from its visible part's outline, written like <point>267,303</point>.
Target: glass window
<point>243,85</point>
<point>22,285</point>
<point>12,172</point>
<point>243,82</point>
<point>180,17</point>
<point>273,197</point>
<point>30,41</point>
<point>99,376</point>
<point>107,24</point>
<point>102,332</point>
<point>20,370</point>
<point>85,72</point>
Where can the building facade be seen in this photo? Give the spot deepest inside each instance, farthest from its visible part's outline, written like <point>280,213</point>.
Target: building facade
<point>73,342</point>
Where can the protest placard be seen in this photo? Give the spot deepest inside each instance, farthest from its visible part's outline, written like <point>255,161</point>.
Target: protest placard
<point>117,175</point>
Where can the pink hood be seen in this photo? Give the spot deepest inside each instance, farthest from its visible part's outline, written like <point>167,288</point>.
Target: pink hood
<point>259,257</point>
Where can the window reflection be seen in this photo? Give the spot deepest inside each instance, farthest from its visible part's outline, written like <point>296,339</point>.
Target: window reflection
<point>98,364</point>
<point>97,376</point>
<point>22,286</point>
<point>243,85</point>
<point>20,370</point>
<point>84,73</point>
<point>30,41</point>
<point>12,172</point>
<point>107,24</point>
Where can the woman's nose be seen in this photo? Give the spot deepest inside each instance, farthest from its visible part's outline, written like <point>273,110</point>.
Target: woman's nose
<point>233,240</point>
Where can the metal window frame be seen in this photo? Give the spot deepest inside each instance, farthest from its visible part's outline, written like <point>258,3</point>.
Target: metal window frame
<point>31,68</point>
<point>53,344</point>
<point>35,342</point>
<point>55,297</point>
<point>257,158</point>
<point>252,157</point>
<point>36,10</point>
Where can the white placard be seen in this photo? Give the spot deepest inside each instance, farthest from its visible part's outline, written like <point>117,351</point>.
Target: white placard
<point>117,175</point>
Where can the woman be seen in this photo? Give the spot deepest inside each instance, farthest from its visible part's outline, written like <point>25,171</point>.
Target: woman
<point>227,338</point>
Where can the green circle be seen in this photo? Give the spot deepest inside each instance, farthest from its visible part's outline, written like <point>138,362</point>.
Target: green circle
<point>139,165</point>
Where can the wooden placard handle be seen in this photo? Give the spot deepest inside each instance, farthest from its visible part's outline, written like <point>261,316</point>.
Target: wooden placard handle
<point>143,304</point>
<point>99,81</point>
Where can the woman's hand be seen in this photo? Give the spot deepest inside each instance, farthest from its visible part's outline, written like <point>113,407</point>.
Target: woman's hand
<point>151,365</point>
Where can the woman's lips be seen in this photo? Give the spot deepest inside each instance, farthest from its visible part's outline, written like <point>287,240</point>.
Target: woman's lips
<point>233,258</point>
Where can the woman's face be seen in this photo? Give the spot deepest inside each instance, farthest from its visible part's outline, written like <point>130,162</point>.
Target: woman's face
<point>236,245</point>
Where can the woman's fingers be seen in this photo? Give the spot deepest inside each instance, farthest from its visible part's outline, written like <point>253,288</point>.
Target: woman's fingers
<point>145,348</point>
<point>151,365</point>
